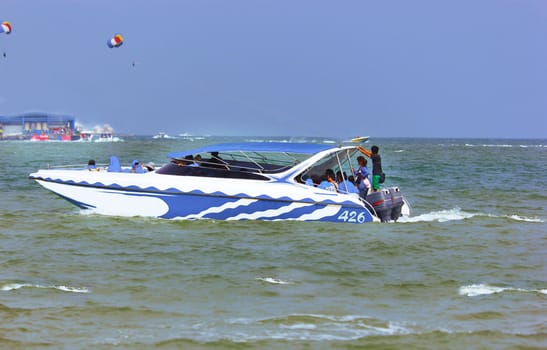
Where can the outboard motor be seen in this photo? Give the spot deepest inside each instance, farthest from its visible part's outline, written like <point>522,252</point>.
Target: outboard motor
<point>397,202</point>
<point>382,203</point>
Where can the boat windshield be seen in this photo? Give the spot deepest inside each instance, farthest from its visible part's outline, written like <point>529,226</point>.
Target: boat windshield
<point>341,161</point>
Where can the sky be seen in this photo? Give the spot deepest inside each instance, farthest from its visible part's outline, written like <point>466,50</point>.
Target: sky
<point>391,68</point>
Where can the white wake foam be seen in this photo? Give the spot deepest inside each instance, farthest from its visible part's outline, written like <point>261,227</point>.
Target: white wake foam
<point>474,290</point>
<point>440,216</point>
<point>15,286</point>
<point>273,280</point>
<point>456,214</point>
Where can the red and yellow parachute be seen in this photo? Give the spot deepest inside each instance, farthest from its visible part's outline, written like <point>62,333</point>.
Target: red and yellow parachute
<point>5,27</point>
<point>115,41</point>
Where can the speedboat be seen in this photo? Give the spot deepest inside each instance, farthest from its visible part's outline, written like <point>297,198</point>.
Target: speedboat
<point>230,181</point>
<point>162,135</point>
<point>107,137</point>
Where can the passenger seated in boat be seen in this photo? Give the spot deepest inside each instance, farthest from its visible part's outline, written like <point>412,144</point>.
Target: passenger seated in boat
<point>198,159</point>
<point>136,167</point>
<point>344,184</point>
<point>352,180</point>
<point>190,161</point>
<point>186,161</point>
<point>316,179</point>
<point>216,162</point>
<point>91,165</point>
<point>150,166</point>
<point>331,178</point>
<point>179,162</point>
<point>327,181</point>
<point>307,180</point>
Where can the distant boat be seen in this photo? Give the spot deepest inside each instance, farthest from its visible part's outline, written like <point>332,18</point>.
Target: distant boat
<point>189,137</point>
<point>162,135</point>
<point>103,133</point>
<point>89,136</point>
<point>106,137</point>
<point>359,139</point>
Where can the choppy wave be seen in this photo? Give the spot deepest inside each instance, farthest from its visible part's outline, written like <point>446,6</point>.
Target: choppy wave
<point>281,328</point>
<point>515,217</point>
<point>524,218</point>
<point>488,145</point>
<point>273,280</point>
<point>15,286</point>
<point>317,327</point>
<point>502,145</point>
<point>485,289</point>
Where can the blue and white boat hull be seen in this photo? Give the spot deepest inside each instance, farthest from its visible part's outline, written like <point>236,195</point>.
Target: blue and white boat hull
<point>183,197</point>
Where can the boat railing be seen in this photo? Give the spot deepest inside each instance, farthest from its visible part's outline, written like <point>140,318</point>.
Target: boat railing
<point>369,206</point>
<point>82,166</point>
<point>218,171</point>
<point>241,165</point>
<point>254,161</point>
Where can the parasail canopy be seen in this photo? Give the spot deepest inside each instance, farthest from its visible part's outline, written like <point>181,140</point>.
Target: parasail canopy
<point>115,41</point>
<point>5,27</point>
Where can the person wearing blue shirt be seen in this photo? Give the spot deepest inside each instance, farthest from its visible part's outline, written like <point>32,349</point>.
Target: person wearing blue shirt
<point>327,181</point>
<point>190,161</point>
<point>136,167</point>
<point>91,165</point>
<point>307,180</point>
<point>362,177</point>
<point>344,185</point>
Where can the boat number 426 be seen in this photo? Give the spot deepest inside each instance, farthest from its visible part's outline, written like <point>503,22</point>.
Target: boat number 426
<point>352,216</point>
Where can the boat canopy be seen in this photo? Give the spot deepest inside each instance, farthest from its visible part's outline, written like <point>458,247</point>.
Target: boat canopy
<point>275,147</point>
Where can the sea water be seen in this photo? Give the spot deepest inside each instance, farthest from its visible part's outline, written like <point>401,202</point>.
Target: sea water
<point>467,270</point>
